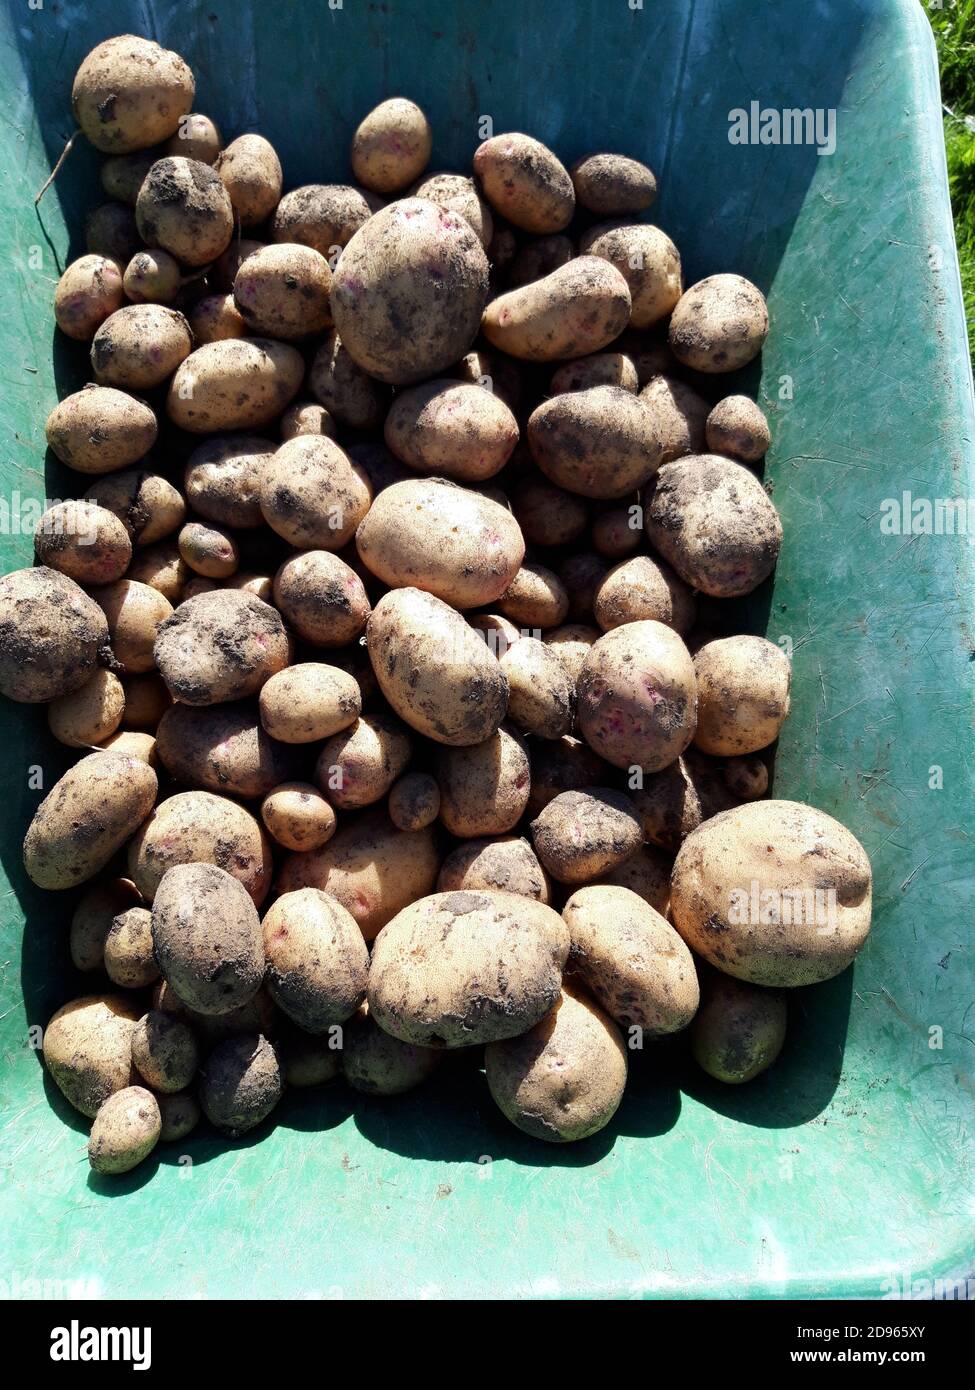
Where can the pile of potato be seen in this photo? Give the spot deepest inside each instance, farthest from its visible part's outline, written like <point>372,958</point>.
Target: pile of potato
<point>392,632</point>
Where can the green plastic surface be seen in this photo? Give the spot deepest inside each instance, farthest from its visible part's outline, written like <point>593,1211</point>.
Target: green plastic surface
<point>849,1169</point>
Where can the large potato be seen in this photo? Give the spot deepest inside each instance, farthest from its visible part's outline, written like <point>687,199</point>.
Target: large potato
<point>641,589</point>
<point>648,261</point>
<point>236,384</point>
<point>719,324</point>
<point>391,146</point>
<point>283,291</point>
<point>599,443</point>
<point>220,646</point>
<point>579,835</point>
<point>358,766</point>
<point>739,1029</point>
<point>242,1082</point>
<point>484,788</point>
<point>207,938</point>
<point>317,961</point>
<point>611,185</point>
<point>129,93</point>
<point>313,495</point>
<point>408,291</point>
<point>126,1130</point>
<point>223,749</point>
<point>573,312</point>
<point>506,864</point>
<point>251,173</point>
<point>742,694</point>
<point>140,346</point>
<point>88,1049</point>
<point>321,598</point>
<point>223,479</point>
<point>99,429</point>
<point>324,216</point>
<point>184,208</point>
<point>200,828</point>
<point>309,701</point>
<point>452,542</point>
<point>773,892</point>
<point>52,635</point>
<point>451,429</point>
<point>456,969</point>
<point>525,182</point>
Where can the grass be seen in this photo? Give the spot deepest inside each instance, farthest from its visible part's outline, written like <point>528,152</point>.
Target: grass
<point>953,22</point>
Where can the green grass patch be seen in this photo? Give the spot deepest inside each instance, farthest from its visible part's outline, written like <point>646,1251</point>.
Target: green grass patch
<point>953,22</point>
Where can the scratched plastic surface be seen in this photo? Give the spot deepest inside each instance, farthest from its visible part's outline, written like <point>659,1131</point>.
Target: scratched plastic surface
<point>849,1169</point>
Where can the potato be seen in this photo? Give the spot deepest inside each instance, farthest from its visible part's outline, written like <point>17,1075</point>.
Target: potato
<point>207,938</point>
<point>563,1079</point>
<point>679,416</point>
<point>309,701</point>
<point>719,324</point>
<point>582,834</point>
<point>313,495</point>
<point>135,614</point>
<point>737,427</point>
<point>251,173</point>
<point>451,542</point>
<point>537,258</point>
<point>324,216</point>
<point>391,146</point>
<point>132,744</point>
<point>611,185</point>
<point>743,694</point>
<point>164,1052</point>
<point>306,417</point>
<point>129,94</point>
<point>128,957</point>
<point>196,137</point>
<point>524,181</point>
<point>484,788</point>
<point>491,372</point>
<point>631,960</point>
<point>87,293</point>
<point>93,917</point>
<point>498,632</point>
<point>614,534</point>
<point>541,694</point>
<point>599,443</point>
<point>715,523</point>
<point>408,292</point>
<point>180,1115</point>
<point>163,568</point>
<point>197,827</point>
<point>110,231</point>
<point>379,1065</point>
<point>581,574</point>
<point>322,598</point>
<point>223,272</point>
<point>242,1081</point>
<point>561,765</point>
<point>152,277</point>
<point>414,801</point>
<point>317,961</point>
<point>139,346</point>
<point>459,969</point>
<point>739,1030</point>
<point>637,696</point>
<point>238,384</point>
<point>148,506</point>
<point>601,369</point>
<point>372,868</point>
<point>451,429</point>
<point>125,1131</point>
<point>506,864</point>
<point>99,429</point>
<point>434,670</point>
<point>184,208</point>
<point>536,598</point>
<point>773,892</point>
<point>220,646</point>
<point>258,1015</point>
<point>548,515</point>
<point>297,816</point>
<point>283,291</point>
<point>457,193</point>
<point>223,479</point>
<point>207,551</point>
<point>674,801</point>
<point>648,261</point>
<point>88,814</point>
<point>223,749</point>
<point>344,389</point>
<point>84,541</point>
<point>641,589</point>
<point>573,312</point>
<point>122,175</point>
<point>309,1061</point>
<point>647,874</point>
<point>88,715</point>
<point>746,778</point>
<point>359,765</point>
<point>88,1049</point>
<point>214,318</point>
<point>52,635</point>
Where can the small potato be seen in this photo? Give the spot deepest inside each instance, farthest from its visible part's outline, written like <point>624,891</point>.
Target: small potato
<point>129,961</point>
<point>451,429</point>
<point>484,788</point>
<point>306,417</point>
<point>317,961</point>
<point>715,523</point>
<point>414,801</point>
<point>506,864</point>
<point>139,346</point>
<point>571,644</point>
<point>582,574</point>
<point>582,834</point>
<point>640,589</point>
<point>313,495</point>
<point>93,917</point>
<point>207,938</point>
<point>548,515</point>
<point>637,696</point>
<point>135,614</point>
<point>297,816</point>
<point>196,137</point>
<point>719,324</point>
<point>214,318</point>
<point>648,261</point>
<point>220,646</point>
<point>601,369</point>
<point>344,389</point>
<point>122,175</point>
<point>613,533</point>
<point>541,694</point>
<point>322,598</point>
<point>491,372</point>
<point>498,632</point>
<point>358,766</point>
<point>742,694</point>
<point>459,969</point>
<point>52,635</point>
<point>324,216</point>
<point>773,892</point>
<point>241,1082</point>
<point>451,542</point>
<point>631,960</point>
<point>84,541</point>
<point>164,1052</point>
<point>251,173</point>
<point>391,146</point>
<point>132,744</point>
<point>538,258</point>
<point>283,291</point>
<point>184,208</point>
<point>148,506</point>
<point>152,277</point>
<point>207,551</point>
<point>309,701</point>
<point>600,443</point>
<point>737,427</point>
<point>564,1079</point>
<point>457,193</point>
<point>574,312</point>
<point>237,384</point>
<point>309,1061</point>
<point>223,272</point>
<point>223,479</point>
<point>110,231</point>
<point>146,701</point>
<point>679,416</point>
<point>611,185</point>
<point>129,93</point>
<point>561,765</point>
<point>126,1130</point>
<point>674,801</point>
<point>197,827</point>
<point>88,292</point>
<point>379,1065</point>
<point>89,715</point>
<point>746,778</point>
<point>224,749</point>
<point>99,429</point>
<point>258,1015</point>
<point>162,568</point>
<point>180,1115</point>
<point>647,874</point>
<point>535,598</point>
<point>87,815</point>
<point>739,1030</point>
<point>524,181</point>
<point>88,1049</point>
